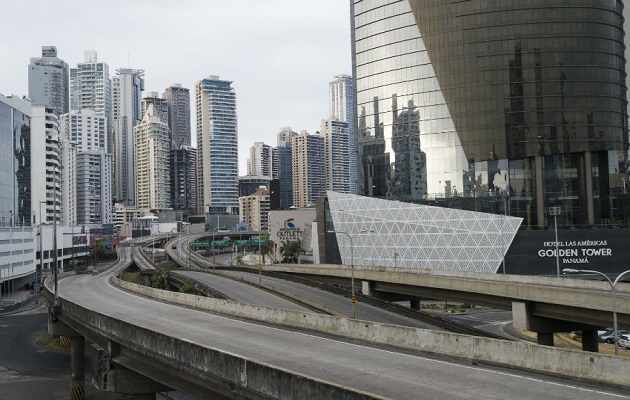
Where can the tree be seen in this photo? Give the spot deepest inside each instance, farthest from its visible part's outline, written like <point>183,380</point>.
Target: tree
<point>290,250</point>
<point>188,288</point>
<point>158,281</point>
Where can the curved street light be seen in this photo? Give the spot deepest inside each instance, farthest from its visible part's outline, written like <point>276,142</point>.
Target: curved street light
<point>613,286</point>
<point>351,237</point>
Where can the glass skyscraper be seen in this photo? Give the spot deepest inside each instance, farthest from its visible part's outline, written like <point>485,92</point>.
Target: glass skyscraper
<point>217,147</point>
<point>488,105</point>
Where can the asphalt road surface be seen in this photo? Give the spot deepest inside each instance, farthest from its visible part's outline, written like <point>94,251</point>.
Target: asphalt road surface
<point>30,372</point>
<point>387,372</point>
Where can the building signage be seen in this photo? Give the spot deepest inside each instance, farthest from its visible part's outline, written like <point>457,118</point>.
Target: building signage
<point>576,251</point>
<point>533,252</point>
<point>289,225</point>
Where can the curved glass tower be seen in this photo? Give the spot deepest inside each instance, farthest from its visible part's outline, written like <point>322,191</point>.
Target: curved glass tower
<point>496,106</point>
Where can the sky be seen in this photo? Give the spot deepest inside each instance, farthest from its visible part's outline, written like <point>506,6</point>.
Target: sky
<point>279,54</point>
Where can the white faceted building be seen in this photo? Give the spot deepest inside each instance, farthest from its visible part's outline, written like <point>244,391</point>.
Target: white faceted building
<point>396,234</point>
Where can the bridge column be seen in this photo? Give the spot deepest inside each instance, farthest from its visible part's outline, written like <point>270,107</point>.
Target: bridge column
<point>414,304</point>
<point>77,352</point>
<point>545,338</point>
<point>110,376</point>
<point>590,341</point>
<point>77,368</point>
<point>366,288</point>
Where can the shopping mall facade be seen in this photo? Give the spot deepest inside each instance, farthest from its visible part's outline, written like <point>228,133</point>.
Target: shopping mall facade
<point>509,107</point>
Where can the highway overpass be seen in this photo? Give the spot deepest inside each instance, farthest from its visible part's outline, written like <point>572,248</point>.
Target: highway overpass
<point>215,348</point>
<point>541,304</point>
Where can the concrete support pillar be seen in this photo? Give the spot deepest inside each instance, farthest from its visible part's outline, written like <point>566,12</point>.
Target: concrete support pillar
<point>545,338</point>
<point>366,288</point>
<point>415,304</point>
<point>590,341</point>
<point>77,361</point>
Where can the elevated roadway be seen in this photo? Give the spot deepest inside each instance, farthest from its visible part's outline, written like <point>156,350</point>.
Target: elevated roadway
<point>541,304</point>
<point>145,346</point>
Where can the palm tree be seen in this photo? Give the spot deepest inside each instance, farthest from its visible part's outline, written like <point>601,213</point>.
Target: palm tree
<point>290,250</point>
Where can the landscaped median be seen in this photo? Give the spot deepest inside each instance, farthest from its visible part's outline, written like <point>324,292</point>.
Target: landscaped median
<point>575,364</point>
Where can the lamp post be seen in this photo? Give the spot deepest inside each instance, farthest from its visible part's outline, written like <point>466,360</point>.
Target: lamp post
<point>351,237</point>
<point>613,285</point>
<point>555,211</point>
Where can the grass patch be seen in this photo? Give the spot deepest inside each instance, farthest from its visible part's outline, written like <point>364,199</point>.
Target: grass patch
<point>133,277</point>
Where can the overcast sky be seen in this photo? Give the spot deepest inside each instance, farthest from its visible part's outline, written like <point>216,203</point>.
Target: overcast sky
<point>280,54</point>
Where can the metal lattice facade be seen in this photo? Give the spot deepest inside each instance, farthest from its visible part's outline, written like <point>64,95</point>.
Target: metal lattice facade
<point>405,235</point>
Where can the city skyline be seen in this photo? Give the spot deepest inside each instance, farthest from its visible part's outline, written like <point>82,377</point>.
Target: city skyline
<point>281,72</point>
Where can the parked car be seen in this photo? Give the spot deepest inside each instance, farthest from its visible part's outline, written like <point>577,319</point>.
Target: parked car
<point>609,337</point>
<point>624,341</point>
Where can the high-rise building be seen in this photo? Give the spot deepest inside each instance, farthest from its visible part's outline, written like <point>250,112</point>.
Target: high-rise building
<point>46,190</point>
<point>507,122</point>
<point>337,152</point>
<point>85,128</point>
<point>159,105</point>
<point>260,160</point>
<point>89,190</point>
<point>152,162</point>
<point>248,184</point>
<point>283,164</point>
<point>91,88</point>
<point>178,100</point>
<point>48,81</point>
<point>46,159</point>
<point>254,209</point>
<point>341,103</point>
<point>309,171</point>
<point>183,183</point>
<point>94,188</point>
<point>128,85</point>
<point>17,258</point>
<point>485,107</point>
<point>217,147</point>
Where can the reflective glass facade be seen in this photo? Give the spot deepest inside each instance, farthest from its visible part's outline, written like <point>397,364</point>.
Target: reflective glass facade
<point>15,162</point>
<point>496,106</point>
<point>217,147</point>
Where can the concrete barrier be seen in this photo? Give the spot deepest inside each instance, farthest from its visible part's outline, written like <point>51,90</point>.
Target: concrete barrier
<point>574,364</point>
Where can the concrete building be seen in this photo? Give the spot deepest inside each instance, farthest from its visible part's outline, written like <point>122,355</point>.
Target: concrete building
<point>522,116</point>
<point>341,103</point>
<point>87,168</point>
<point>91,88</point>
<point>337,151</point>
<point>128,85</point>
<point>152,162</point>
<point>94,188</point>
<point>260,160</point>
<point>48,81</point>
<point>254,209</point>
<point>29,198</point>
<point>217,147</point>
<point>249,184</point>
<point>46,158</point>
<point>283,164</point>
<point>183,183</point>
<point>309,171</point>
<point>178,101</point>
<point>86,129</point>
<point>159,105</point>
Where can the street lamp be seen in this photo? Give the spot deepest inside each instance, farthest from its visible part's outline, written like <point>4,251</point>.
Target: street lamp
<point>613,286</point>
<point>351,237</point>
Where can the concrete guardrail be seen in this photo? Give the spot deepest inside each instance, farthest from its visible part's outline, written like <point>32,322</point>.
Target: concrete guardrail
<point>574,364</point>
